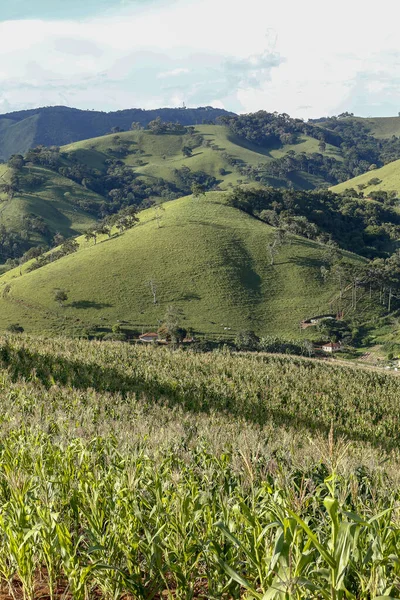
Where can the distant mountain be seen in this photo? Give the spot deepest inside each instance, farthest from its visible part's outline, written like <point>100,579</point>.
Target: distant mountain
<point>60,125</point>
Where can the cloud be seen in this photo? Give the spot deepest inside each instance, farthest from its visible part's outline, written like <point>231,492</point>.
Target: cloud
<point>275,56</point>
<point>173,73</point>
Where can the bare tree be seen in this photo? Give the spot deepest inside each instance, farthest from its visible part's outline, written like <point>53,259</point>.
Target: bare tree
<point>153,289</point>
<point>278,240</point>
<point>159,210</point>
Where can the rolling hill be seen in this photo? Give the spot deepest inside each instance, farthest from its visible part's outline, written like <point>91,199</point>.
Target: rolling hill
<point>60,125</point>
<point>155,156</point>
<point>68,205</point>
<point>388,176</point>
<point>382,127</point>
<point>206,258</point>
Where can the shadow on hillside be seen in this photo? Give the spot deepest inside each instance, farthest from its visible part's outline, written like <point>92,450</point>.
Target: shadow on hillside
<point>50,370</point>
<point>190,296</point>
<point>241,264</point>
<point>208,224</point>
<point>88,304</point>
<point>305,261</point>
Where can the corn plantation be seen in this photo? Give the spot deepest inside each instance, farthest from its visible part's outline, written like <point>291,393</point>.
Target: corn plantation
<point>133,472</point>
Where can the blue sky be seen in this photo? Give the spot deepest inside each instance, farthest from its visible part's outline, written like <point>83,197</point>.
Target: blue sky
<point>56,9</point>
<point>307,58</point>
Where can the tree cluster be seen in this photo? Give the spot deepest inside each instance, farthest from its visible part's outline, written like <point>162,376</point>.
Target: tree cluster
<point>356,224</point>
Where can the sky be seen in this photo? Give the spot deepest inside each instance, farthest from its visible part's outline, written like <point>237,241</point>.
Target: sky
<point>309,59</point>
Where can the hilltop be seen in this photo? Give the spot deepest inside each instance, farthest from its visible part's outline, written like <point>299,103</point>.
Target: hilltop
<point>60,125</point>
<point>204,257</point>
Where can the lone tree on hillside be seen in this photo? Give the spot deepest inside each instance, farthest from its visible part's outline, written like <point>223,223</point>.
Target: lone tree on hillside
<point>60,296</point>
<point>186,151</point>
<point>279,239</point>
<point>159,210</point>
<point>153,289</point>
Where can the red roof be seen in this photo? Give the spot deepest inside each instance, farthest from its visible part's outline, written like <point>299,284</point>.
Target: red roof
<point>148,335</point>
<point>331,345</point>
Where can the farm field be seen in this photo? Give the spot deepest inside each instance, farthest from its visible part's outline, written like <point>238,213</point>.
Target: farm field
<point>137,472</point>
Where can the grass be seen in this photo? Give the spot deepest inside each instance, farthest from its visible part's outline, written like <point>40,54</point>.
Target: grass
<point>54,201</point>
<point>383,127</point>
<point>151,156</point>
<point>388,174</point>
<point>162,154</point>
<point>207,258</point>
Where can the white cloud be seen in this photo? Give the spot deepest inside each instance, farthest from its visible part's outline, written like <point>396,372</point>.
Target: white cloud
<point>307,59</point>
<point>173,73</point>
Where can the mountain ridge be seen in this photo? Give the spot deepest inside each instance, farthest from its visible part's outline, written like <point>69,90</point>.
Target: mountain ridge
<point>62,125</point>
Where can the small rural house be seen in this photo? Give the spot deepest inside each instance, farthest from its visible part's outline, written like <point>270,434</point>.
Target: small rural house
<point>331,347</point>
<point>148,337</point>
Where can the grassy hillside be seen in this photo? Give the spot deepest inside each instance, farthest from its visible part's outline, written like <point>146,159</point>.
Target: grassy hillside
<point>17,136</point>
<point>206,258</point>
<point>159,155</point>
<point>389,177</point>
<point>59,125</point>
<point>55,200</point>
<point>383,127</point>
<point>63,203</point>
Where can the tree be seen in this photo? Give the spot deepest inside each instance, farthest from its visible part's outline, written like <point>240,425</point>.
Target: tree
<point>116,129</point>
<point>307,348</point>
<point>247,340</point>
<point>58,239</point>
<point>198,189</point>
<point>136,126</point>
<point>159,210</point>
<point>16,162</point>
<point>70,246</point>
<point>60,296</point>
<point>322,146</point>
<point>156,126</point>
<point>90,235</point>
<point>186,151</point>
<point>153,289</point>
<point>170,328</point>
<point>103,230</point>
<point>277,241</point>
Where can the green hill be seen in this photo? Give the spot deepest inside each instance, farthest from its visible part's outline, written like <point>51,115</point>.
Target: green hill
<point>388,176</point>
<point>34,214</point>
<point>156,156</point>
<point>382,127</point>
<point>206,258</point>
<point>59,125</point>
<point>70,195</point>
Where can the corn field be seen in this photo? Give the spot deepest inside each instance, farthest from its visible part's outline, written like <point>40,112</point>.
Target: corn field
<point>131,472</point>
